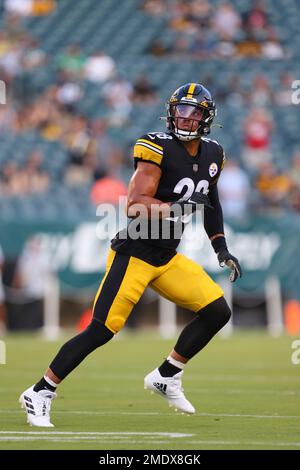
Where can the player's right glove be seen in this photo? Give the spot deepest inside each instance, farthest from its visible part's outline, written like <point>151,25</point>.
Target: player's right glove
<point>195,202</point>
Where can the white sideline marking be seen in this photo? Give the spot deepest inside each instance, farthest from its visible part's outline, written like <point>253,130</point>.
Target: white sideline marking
<point>76,439</point>
<point>156,413</point>
<point>124,437</point>
<point>235,391</point>
<point>75,433</point>
<point>237,415</point>
<point>261,443</point>
<point>104,437</point>
<point>107,439</point>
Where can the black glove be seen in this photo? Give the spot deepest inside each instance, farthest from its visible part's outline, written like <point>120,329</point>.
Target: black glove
<point>193,203</point>
<point>225,258</point>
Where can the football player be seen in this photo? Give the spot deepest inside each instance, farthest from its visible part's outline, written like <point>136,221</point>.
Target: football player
<point>176,173</point>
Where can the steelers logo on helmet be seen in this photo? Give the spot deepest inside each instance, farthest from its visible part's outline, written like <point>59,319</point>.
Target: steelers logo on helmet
<point>190,112</point>
<point>213,169</point>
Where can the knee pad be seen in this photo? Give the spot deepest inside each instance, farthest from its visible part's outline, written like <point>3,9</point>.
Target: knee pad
<point>218,312</point>
<point>97,334</point>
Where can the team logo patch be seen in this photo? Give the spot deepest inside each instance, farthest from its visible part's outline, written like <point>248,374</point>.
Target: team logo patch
<point>213,169</point>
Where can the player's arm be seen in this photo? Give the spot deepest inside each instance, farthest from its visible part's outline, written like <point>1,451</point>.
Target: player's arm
<point>142,188</point>
<point>214,227</point>
<point>213,220</point>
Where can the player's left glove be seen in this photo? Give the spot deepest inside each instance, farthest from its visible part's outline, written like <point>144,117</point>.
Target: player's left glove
<point>225,258</point>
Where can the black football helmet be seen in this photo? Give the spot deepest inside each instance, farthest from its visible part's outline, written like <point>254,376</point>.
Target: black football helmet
<point>191,102</point>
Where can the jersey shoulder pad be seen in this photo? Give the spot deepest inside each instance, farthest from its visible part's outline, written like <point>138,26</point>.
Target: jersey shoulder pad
<point>224,159</point>
<point>219,150</point>
<point>149,148</point>
<point>212,142</point>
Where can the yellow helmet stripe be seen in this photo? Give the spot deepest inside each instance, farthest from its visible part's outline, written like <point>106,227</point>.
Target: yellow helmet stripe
<point>191,90</point>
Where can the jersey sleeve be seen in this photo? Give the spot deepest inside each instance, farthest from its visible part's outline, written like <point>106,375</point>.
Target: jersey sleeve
<point>148,149</point>
<point>224,159</point>
<point>221,161</point>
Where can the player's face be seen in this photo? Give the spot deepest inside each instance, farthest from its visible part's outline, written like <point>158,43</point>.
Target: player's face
<point>188,117</point>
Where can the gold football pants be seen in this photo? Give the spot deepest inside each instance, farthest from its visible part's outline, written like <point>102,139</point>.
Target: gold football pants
<point>181,280</point>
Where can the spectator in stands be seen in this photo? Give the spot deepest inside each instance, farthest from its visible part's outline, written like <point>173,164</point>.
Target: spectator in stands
<point>256,21</point>
<point>19,7</point>
<point>158,48</point>
<point>5,43</point>
<point>69,92</point>
<point>35,178</point>
<point>261,93</point>
<point>14,27</point>
<point>226,21</point>
<point>274,187</point>
<point>200,13</point>
<point>33,56</point>
<point>8,178</point>
<point>283,96</point>
<point>72,61</point>
<point>249,47</point>
<point>28,179</point>
<point>8,117</point>
<point>79,176</point>
<point>225,49</point>
<point>32,61</point>
<point>10,61</point>
<point>155,7</point>
<point>2,299</point>
<point>231,92</point>
<point>204,45</point>
<point>78,140</point>
<point>14,181</point>
<point>234,189</point>
<point>45,115</point>
<point>118,97</point>
<point>180,46</point>
<point>144,91</point>
<point>294,199</point>
<point>108,190</point>
<point>258,127</point>
<point>43,7</point>
<point>295,170</point>
<point>180,19</point>
<point>29,7</point>
<point>99,67</point>
<point>271,47</point>
<point>294,175</point>
<point>108,155</point>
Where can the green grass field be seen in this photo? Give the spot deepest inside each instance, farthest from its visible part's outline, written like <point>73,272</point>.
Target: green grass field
<point>245,389</point>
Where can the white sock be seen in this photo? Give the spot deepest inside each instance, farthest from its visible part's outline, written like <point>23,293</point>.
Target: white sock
<point>175,363</point>
<point>50,382</point>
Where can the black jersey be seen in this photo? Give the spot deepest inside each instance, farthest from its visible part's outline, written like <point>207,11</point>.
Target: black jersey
<point>182,174</point>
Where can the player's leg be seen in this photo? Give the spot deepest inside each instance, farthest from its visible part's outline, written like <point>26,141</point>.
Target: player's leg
<point>187,284</point>
<point>123,284</point>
